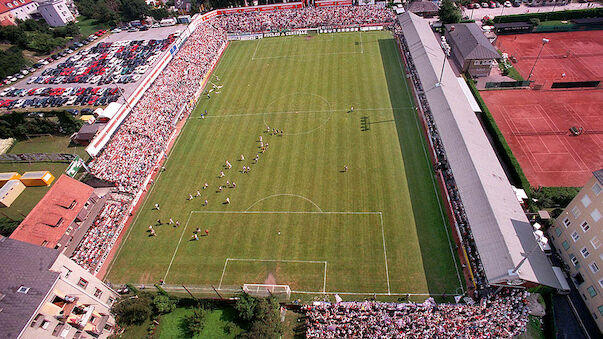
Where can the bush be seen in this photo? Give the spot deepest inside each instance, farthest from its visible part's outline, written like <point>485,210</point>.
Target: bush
<point>7,226</point>
<point>266,321</point>
<point>246,306</point>
<point>19,125</point>
<point>164,304</point>
<point>535,21</point>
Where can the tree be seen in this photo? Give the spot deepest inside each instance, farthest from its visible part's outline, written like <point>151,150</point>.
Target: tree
<point>246,306</point>
<point>159,13</point>
<point>7,226</point>
<point>132,310</point>
<point>134,9</point>
<point>11,61</point>
<point>164,304</point>
<point>448,12</point>
<point>267,321</point>
<point>196,321</point>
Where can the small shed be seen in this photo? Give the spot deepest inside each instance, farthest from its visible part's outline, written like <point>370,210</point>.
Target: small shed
<point>10,192</point>
<point>8,176</point>
<point>37,178</point>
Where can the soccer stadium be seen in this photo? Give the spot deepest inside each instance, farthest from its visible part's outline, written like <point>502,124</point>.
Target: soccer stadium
<point>324,154</point>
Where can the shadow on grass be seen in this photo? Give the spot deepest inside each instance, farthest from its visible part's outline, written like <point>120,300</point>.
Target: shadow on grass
<point>438,263</point>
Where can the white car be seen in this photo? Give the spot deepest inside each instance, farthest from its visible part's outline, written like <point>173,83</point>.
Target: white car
<point>507,4</point>
<point>117,30</point>
<point>71,101</point>
<point>31,80</point>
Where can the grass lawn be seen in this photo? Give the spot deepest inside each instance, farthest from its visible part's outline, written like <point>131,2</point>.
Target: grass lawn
<point>30,197</point>
<point>218,324</point>
<point>297,218</point>
<point>88,26</point>
<point>533,330</point>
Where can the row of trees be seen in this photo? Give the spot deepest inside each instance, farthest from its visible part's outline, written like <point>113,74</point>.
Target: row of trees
<point>113,12</point>
<point>19,125</point>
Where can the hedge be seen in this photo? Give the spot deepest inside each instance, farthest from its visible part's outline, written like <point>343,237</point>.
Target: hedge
<point>544,16</point>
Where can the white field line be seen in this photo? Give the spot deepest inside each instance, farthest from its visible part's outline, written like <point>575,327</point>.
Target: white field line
<point>283,212</point>
<point>431,176</point>
<point>384,252</point>
<point>256,49</point>
<point>324,283</point>
<point>148,195</point>
<point>356,110</point>
<point>368,293</point>
<point>304,55</point>
<point>177,246</point>
<point>361,43</point>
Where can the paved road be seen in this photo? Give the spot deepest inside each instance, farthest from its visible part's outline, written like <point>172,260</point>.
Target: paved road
<point>492,12</point>
<point>153,33</point>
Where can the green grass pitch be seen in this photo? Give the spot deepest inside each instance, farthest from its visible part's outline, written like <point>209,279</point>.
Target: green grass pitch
<point>297,218</point>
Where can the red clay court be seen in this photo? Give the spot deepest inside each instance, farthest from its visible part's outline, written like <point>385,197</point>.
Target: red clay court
<point>578,55</point>
<point>536,125</point>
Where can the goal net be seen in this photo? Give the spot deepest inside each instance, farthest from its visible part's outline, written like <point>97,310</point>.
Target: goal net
<point>265,290</point>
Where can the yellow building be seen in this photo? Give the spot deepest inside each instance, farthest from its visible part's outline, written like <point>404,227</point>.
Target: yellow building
<point>10,192</point>
<point>7,176</point>
<point>37,178</point>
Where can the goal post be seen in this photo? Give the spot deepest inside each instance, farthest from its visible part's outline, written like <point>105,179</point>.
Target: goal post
<point>266,290</point>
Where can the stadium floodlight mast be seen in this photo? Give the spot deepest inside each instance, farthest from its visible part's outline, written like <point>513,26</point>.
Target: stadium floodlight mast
<point>544,42</point>
<point>446,55</point>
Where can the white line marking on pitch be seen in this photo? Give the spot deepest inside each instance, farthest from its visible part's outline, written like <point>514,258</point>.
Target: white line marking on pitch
<point>287,195</point>
<point>282,212</point>
<point>256,49</point>
<point>177,246</point>
<point>431,176</point>
<point>324,283</point>
<point>384,252</point>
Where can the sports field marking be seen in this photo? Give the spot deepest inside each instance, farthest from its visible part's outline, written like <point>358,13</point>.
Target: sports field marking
<point>356,110</point>
<point>313,55</point>
<point>435,189</point>
<point>304,93</point>
<point>285,195</point>
<point>324,282</point>
<point>256,49</point>
<point>286,212</point>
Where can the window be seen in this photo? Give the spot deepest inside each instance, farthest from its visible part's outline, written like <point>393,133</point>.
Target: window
<point>596,189</point>
<point>601,310</point>
<point>565,245</point>
<point>596,215</point>
<point>594,267</point>
<point>558,231</point>
<point>110,301</point>
<point>45,324</point>
<point>574,260</point>
<point>9,5</point>
<point>36,319</point>
<point>108,327</point>
<point>591,291</point>
<point>575,236</point>
<point>585,200</point>
<point>566,222</point>
<point>585,226</point>
<point>585,252</point>
<point>601,283</point>
<point>595,242</point>
<point>82,283</point>
<point>576,211</point>
<point>23,289</point>
<point>98,293</point>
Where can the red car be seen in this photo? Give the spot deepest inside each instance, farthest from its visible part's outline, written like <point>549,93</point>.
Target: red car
<point>92,100</point>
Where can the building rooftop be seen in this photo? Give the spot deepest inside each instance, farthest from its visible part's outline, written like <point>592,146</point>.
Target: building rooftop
<point>500,228</point>
<point>25,282</point>
<point>50,218</point>
<point>422,6</point>
<point>10,5</point>
<point>471,41</point>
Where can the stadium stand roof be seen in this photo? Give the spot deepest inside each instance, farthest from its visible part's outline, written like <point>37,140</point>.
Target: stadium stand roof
<point>47,222</point>
<point>27,265</point>
<point>501,231</point>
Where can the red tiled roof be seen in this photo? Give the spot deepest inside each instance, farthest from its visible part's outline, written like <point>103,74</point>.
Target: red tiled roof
<point>4,7</point>
<point>50,218</point>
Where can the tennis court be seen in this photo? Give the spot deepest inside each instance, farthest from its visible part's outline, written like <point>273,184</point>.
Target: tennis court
<point>568,56</point>
<point>536,125</point>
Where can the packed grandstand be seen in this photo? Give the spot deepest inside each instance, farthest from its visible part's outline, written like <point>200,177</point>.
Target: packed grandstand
<point>134,152</point>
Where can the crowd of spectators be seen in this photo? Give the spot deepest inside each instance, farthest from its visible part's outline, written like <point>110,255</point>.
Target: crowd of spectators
<point>97,239</point>
<point>443,167</point>
<point>500,315</point>
<point>309,17</point>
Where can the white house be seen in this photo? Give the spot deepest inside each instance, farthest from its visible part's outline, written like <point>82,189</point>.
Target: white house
<point>11,10</point>
<point>55,12</point>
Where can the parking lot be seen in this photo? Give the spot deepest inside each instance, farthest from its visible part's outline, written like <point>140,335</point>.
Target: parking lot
<point>100,67</point>
<point>479,13</point>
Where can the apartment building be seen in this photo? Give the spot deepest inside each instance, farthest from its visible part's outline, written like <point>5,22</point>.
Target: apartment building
<point>578,235</point>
